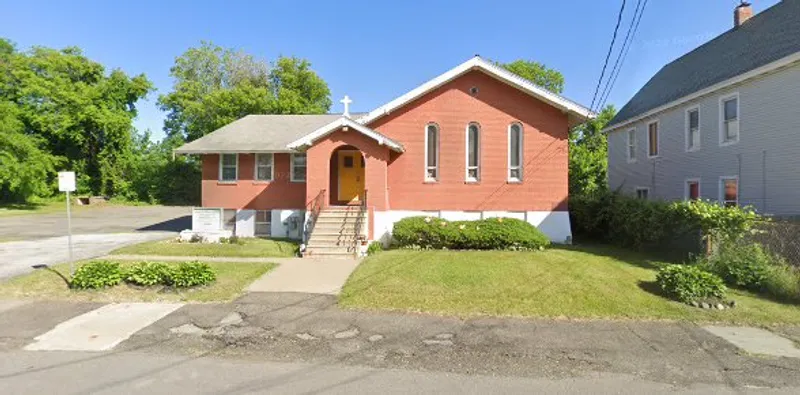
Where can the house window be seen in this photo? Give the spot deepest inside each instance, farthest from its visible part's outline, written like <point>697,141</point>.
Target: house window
<point>652,139</point>
<point>473,152</point>
<point>729,191</point>
<point>515,146</point>
<point>642,193</point>
<point>263,223</point>
<point>693,189</point>
<point>298,168</point>
<point>228,167</point>
<point>692,129</point>
<point>431,152</point>
<point>729,122</point>
<point>229,220</point>
<point>632,145</point>
<point>264,166</point>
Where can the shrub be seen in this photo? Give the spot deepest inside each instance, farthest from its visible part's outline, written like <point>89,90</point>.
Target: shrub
<point>97,274</point>
<point>374,247</point>
<point>149,274</point>
<point>231,240</point>
<point>190,274</point>
<point>783,282</point>
<point>485,234</point>
<point>740,265</point>
<point>688,283</point>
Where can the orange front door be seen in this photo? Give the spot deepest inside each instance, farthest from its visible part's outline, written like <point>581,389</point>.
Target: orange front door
<point>351,176</point>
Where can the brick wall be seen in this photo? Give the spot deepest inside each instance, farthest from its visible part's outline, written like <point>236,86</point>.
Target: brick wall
<point>280,193</point>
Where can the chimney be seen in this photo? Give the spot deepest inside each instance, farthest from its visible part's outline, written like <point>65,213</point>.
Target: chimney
<point>742,13</point>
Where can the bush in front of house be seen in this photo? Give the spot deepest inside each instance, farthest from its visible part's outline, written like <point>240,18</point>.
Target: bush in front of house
<point>688,283</point>
<point>148,274</point>
<point>374,248</point>
<point>783,282</point>
<point>743,265</point>
<point>190,274</point>
<point>485,234</point>
<point>97,274</point>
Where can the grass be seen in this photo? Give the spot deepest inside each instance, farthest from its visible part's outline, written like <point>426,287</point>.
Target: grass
<point>249,248</point>
<point>54,205</point>
<point>48,284</point>
<point>572,282</point>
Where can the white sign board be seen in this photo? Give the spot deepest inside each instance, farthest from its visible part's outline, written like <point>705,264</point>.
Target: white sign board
<point>66,181</point>
<point>206,219</point>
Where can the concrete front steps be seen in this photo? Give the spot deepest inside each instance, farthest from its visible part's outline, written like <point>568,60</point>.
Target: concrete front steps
<point>334,234</point>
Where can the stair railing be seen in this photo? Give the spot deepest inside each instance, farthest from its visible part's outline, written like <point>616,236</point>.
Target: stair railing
<point>313,208</point>
<point>359,224</point>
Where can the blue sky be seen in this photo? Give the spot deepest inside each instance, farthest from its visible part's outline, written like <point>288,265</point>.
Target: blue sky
<point>373,51</point>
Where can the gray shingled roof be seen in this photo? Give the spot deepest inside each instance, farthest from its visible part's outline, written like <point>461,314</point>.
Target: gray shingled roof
<point>768,36</point>
<point>259,133</point>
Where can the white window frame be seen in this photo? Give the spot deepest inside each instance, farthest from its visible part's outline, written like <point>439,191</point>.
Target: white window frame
<point>438,148</point>
<point>221,166</point>
<point>291,167</point>
<point>722,100</point>
<point>658,139</point>
<point>688,134</point>
<point>686,189</point>
<point>268,223</point>
<point>271,167</point>
<point>722,189</point>
<point>646,189</point>
<point>628,145</point>
<point>467,178</point>
<point>521,147</point>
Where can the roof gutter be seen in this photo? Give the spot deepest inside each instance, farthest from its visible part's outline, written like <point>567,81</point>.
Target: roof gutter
<point>777,65</point>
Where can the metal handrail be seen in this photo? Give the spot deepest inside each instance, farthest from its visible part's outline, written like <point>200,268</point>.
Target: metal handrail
<point>313,207</point>
<point>359,225</point>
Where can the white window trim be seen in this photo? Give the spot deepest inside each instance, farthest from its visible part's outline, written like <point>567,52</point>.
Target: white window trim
<point>467,178</point>
<point>658,139</point>
<point>269,223</point>
<point>687,135</point>
<point>291,167</point>
<point>686,188</point>
<point>637,189</point>
<point>219,177</point>
<point>631,159</point>
<point>438,148</point>
<point>722,180</point>
<point>271,167</point>
<point>521,165</point>
<point>722,100</point>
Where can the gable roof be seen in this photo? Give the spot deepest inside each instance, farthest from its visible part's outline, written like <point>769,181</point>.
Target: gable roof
<point>577,113</point>
<point>325,130</point>
<point>258,133</point>
<point>764,39</point>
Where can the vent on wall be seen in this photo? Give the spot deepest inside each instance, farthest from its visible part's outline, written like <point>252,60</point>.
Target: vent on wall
<point>473,91</point>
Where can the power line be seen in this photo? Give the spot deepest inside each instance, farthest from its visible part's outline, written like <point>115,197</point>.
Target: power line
<point>608,55</point>
<point>613,78</point>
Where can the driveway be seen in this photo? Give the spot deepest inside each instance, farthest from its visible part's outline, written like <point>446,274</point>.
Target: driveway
<point>40,239</point>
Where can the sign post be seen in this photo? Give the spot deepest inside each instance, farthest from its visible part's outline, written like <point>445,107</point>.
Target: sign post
<point>66,183</point>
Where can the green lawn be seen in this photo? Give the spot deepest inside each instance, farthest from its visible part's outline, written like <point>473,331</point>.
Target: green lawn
<point>54,205</point>
<point>45,284</point>
<point>250,248</point>
<point>573,282</point>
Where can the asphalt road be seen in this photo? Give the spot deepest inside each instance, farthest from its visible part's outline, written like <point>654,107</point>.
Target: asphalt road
<point>139,373</point>
<point>39,239</point>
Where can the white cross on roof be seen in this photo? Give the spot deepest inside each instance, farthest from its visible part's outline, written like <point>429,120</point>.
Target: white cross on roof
<point>346,101</point>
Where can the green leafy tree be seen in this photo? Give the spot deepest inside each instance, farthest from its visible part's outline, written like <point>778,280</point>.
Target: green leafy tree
<point>71,108</point>
<point>537,73</point>
<point>215,86</point>
<point>588,154</point>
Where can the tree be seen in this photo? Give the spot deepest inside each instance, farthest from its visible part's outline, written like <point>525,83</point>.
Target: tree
<point>69,107</point>
<point>537,73</point>
<point>215,86</point>
<point>588,154</point>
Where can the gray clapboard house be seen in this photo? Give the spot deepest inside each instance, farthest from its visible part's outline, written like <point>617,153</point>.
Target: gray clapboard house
<point>721,122</point>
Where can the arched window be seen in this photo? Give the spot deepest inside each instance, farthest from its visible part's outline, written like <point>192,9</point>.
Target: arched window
<point>515,149</point>
<point>473,159</point>
<point>432,152</point>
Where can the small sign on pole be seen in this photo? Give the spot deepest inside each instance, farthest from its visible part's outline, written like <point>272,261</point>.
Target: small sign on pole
<point>66,183</point>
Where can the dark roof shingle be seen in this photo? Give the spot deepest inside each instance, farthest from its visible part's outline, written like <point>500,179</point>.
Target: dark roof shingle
<point>766,37</point>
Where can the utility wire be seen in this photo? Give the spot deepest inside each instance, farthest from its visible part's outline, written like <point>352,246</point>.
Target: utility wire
<point>604,98</point>
<point>608,55</point>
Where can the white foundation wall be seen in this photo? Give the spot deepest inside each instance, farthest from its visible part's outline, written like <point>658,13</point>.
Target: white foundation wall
<point>288,223</point>
<point>245,223</point>
<point>554,224</point>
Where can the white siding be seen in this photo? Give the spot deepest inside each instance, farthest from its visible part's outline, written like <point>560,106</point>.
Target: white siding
<point>766,158</point>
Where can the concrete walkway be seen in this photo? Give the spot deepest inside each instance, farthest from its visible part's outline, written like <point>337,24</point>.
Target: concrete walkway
<point>315,276</point>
